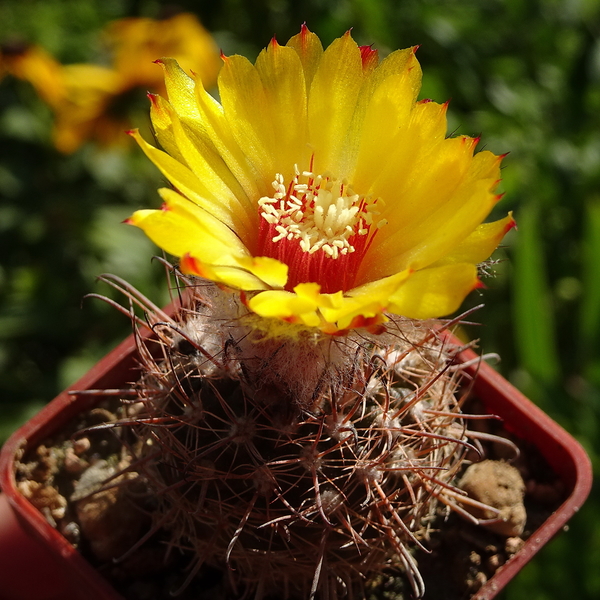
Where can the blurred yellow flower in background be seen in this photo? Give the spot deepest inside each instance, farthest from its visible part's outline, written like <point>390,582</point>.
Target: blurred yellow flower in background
<point>95,102</point>
<point>33,64</point>
<point>321,187</point>
<point>137,42</point>
<point>95,105</point>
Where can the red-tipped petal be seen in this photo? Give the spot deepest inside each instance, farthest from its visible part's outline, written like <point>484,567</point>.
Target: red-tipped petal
<point>373,325</point>
<point>470,141</point>
<point>512,224</point>
<point>370,57</point>
<point>191,266</point>
<point>304,34</point>
<point>292,319</point>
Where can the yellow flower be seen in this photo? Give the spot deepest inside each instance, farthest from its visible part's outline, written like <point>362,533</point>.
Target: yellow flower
<point>321,187</point>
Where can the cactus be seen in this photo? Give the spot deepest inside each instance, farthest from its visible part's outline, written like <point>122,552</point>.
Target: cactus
<point>300,463</point>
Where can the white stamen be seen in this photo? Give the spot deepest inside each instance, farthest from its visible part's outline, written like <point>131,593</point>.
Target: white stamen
<point>319,214</point>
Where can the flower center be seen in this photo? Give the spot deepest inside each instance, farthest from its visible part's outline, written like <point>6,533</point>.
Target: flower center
<point>319,227</point>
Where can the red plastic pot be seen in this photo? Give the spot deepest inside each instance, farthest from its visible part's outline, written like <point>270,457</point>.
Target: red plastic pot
<point>37,562</point>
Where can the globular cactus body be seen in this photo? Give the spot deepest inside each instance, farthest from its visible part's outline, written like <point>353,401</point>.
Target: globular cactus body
<point>299,477</point>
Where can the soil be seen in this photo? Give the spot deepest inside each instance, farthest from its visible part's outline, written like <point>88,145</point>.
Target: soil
<point>62,477</point>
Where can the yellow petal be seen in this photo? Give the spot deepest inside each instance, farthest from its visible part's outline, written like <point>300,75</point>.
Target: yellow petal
<point>219,132</point>
<point>208,166</point>
<point>181,228</point>
<point>203,120</point>
<point>183,105</point>
<point>310,50</point>
<point>299,306</point>
<point>439,171</point>
<point>445,204</point>
<point>232,277</point>
<point>387,115</point>
<point>368,301</point>
<point>431,238</point>
<point>186,231</point>
<point>81,112</point>
<point>282,77</point>
<point>181,90</point>
<point>40,69</point>
<point>200,192</point>
<point>434,292</point>
<point>396,63</point>
<point>269,270</point>
<point>409,154</point>
<point>480,245</point>
<point>332,100</point>
<point>196,112</point>
<point>206,246</point>
<point>162,123</point>
<point>246,109</point>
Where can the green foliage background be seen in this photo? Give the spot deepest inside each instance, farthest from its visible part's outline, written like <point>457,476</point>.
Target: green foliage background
<point>523,73</point>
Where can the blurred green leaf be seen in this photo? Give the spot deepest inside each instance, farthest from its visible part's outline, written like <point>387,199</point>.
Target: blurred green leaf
<point>589,325</point>
<point>534,324</point>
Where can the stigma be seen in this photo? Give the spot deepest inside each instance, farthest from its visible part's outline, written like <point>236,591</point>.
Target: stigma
<point>320,227</point>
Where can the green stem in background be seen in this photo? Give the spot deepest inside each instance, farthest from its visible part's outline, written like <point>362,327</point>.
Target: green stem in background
<point>533,316</point>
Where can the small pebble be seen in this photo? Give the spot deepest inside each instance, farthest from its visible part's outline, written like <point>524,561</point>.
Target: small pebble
<point>513,545</point>
<point>81,445</point>
<point>494,562</point>
<point>480,579</point>
<point>71,531</point>
<point>500,486</point>
<point>74,464</point>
